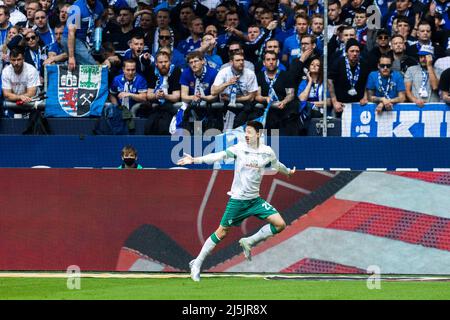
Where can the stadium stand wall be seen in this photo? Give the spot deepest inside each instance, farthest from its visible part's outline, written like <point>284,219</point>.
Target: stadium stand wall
<point>331,153</point>
<point>55,218</point>
<point>338,222</point>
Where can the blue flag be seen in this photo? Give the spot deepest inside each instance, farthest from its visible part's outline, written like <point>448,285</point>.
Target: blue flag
<point>80,93</point>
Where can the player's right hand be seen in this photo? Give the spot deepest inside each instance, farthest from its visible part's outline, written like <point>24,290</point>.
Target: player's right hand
<point>187,159</point>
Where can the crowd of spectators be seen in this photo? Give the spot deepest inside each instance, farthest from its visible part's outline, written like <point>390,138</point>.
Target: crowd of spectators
<point>224,62</point>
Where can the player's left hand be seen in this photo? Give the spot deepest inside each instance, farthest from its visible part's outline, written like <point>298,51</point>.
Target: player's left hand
<point>291,172</point>
<point>187,159</point>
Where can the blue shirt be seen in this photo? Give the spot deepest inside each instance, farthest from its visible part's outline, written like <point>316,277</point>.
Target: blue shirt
<point>188,45</point>
<point>87,18</point>
<point>56,48</point>
<point>292,47</point>
<point>138,85</point>
<point>222,40</point>
<point>48,37</point>
<point>214,61</point>
<point>4,34</point>
<point>397,84</point>
<point>315,94</point>
<point>188,79</point>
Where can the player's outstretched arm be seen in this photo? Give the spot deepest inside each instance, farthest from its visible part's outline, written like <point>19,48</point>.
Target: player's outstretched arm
<point>187,159</point>
<point>277,165</point>
<point>291,172</point>
<point>209,159</point>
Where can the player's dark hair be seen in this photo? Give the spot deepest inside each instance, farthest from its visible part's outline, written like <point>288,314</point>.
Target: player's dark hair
<point>255,125</point>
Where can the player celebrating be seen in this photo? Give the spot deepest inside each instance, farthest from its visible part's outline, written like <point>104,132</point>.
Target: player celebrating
<point>251,159</point>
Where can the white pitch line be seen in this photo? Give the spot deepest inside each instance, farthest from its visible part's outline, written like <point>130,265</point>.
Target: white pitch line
<point>125,275</point>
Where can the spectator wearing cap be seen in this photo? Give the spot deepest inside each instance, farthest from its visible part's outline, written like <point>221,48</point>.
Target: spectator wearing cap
<point>382,47</point>
<point>385,87</point>
<point>401,61</point>
<point>347,33</point>
<point>424,38</point>
<point>421,82</point>
<point>347,78</point>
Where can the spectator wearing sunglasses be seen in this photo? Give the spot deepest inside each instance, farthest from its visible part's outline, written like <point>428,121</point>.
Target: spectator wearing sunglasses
<point>385,87</point>
<point>165,40</point>
<point>34,48</point>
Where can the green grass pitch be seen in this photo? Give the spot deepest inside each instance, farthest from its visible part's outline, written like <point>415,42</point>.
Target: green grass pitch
<point>216,288</point>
